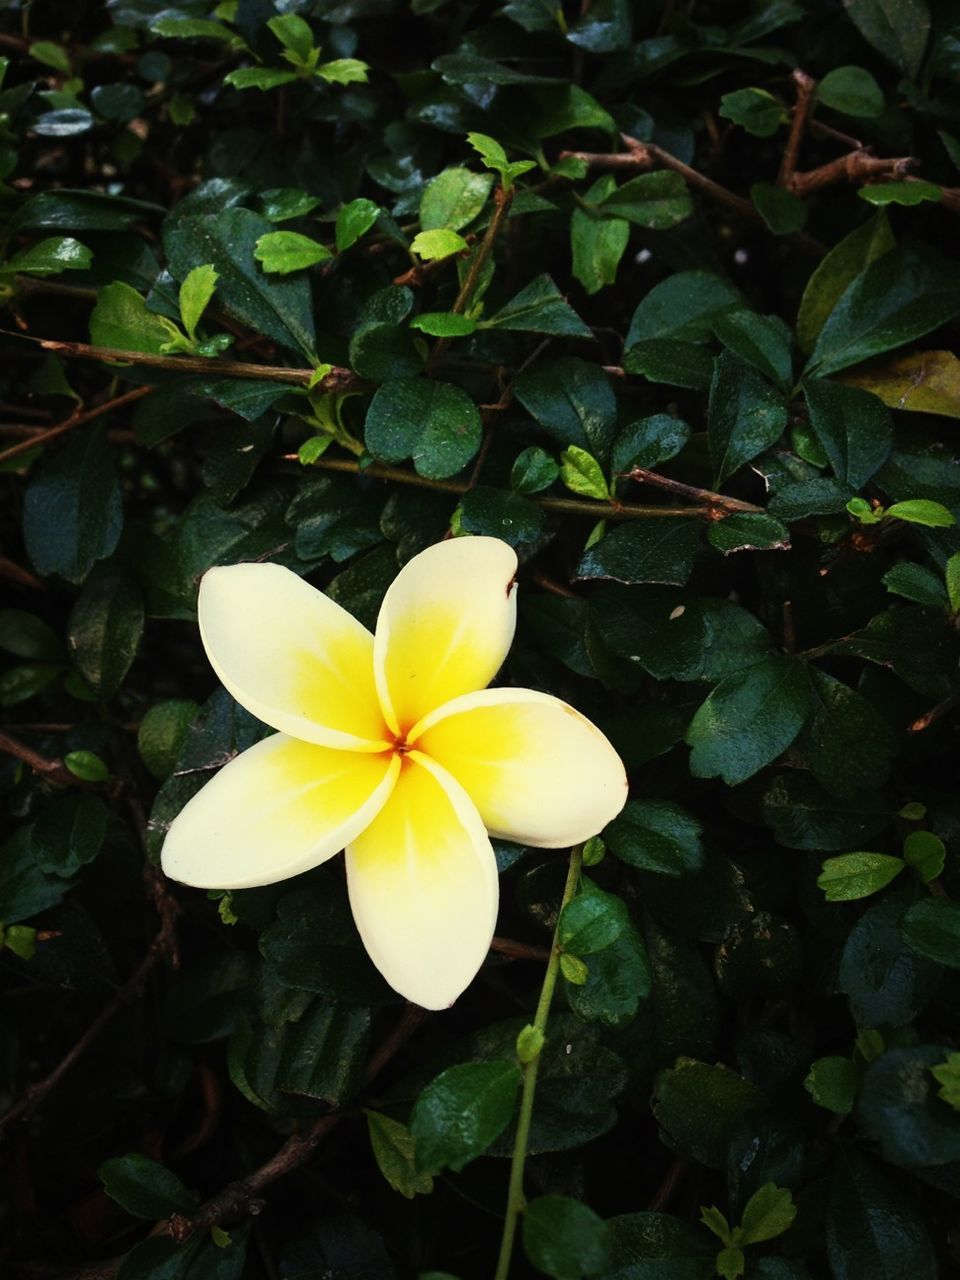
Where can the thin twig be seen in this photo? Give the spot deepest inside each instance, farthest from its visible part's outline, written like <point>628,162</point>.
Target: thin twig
<point>519,950</point>
<point>798,123</point>
<point>934,714</point>
<point>719,504</point>
<point>668,1186</point>
<point>567,506</point>
<point>855,166</point>
<point>22,577</point>
<point>50,769</point>
<point>77,419</point>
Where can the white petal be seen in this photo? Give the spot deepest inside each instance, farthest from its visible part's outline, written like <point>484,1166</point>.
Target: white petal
<point>291,656</point>
<point>445,626</point>
<point>538,771</point>
<point>275,811</point>
<point>423,886</point>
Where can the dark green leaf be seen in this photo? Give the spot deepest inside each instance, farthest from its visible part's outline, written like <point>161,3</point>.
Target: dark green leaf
<point>105,629</point>
<point>755,110</point>
<point>749,720</point>
<point>783,212</point>
<point>434,423</point>
<point>931,928</point>
<point>886,982</point>
<point>748,531</point>
<point>854,428</point>
<point>27,636</point>
<point>69,833</point>
<point>839,268</point>
<point>539,308</point>
<point>684,307</point>
<point>678,364</point>
<point>846,742</point>
<point>658,549</point>
<point>900,1109</point>
<point>654,1246</point>
<point>144,1188</point>
<point>573,401</point>
<point>394,1147</point>
<point>899,33</point>
<point>872,1229</point>
<point>805,816</point>
<point>656,835</point>
<point>747,415</point>
<point>71,512</point>
<point>591,921</point>
<point>763,341</point>
<point>833,1083</point>
<point>648,442</point>
<point>461,1112</point>
<point>699,1105</point>
<point>564,1238</point>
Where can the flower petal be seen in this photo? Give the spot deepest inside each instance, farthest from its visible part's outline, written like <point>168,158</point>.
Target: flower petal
<point>538,771</point>
<point>423,886</point>
<point>445,626</point>
<point>275,811</point>
<point>291,656</point>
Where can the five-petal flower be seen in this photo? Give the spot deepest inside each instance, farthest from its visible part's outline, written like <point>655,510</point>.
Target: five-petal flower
<point>392,747</point>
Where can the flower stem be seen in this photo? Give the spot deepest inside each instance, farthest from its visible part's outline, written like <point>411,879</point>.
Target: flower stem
<point>515,1199</point>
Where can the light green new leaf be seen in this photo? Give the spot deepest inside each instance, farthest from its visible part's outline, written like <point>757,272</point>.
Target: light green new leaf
<point>285,251</point>
<point>195,293</point>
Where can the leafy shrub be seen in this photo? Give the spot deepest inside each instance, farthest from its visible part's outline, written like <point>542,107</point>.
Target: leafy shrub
<point>664,296</point>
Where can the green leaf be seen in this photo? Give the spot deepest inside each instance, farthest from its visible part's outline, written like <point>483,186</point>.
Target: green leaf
<point>261,78</point>
<point>144,1188</point>
<point>657,1246</point>
<point>833,1083</point>
<point>684,307</point>
<point>617,980</point>
<point>700,1106</point>
<point>931,928</point>
<point>763,341</point>
<point>286,251</point>
<point>582,473</point>
<point>21,683</point>
<point>105,629</point>
<point>539,308</point>
<point>489,150</point>
<point>72,513</point>
<point>282,203</point>
<point>872,1229</point>
<point>177,28</point>
<point>533,470</point>
<point>902,1112</point>
<point>279,309</point>
<point>440,243</point>
<point>716,1222</point>
<point>597,243</point>
<point>69,833</point>
<point>783,212</point>
<point>934,515</point>
<point>656,835</point>
<point>453,199</point>
<point>161,734</point>
<point>499,514</point>
<point>574,970</point>
<point>195,294</point>
<point>857,875</point>
<point>434,423</point>
<point>51,55</point>
<point>851,90</point>
<point>591,921</point>
<point>854,428</point>
<point>443,324</point>
<point>573,401</point>
<point>755,110</point>
<point>899,32</point>
<point>564,1238</point>
<point>49,257</point>
<point>87,766</point>
<point>749,719</point>
<point>908,192</point>
<point>947,1074</point>
<point>926,853</point>
<point>746,416</point>
<point>952,581</point>
<point>679,364</point>
<point>294,34</point>
<point>649,441</point>
<point>655,201</point>
<point>901,296</point>
<point>344,71</point>
<point>731,1263</point>
<point>658,549</point>
<point>846,742</point>
<point>886,982</point>
<point>394,1147</point>
<point>354,219</point>
<point>748,531</point>
<point>836,272</point>
<point>121,320</point>
<point>27,636</point>
<point>461,1112</point>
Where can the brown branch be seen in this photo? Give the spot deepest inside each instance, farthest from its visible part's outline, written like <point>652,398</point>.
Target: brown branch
<point>555,588</point>
<point>717,504</point>
<point>76,419</point>
<point>163,944</point>
<point>22,577</point>
<point>338,379</point>
<point>671,1181</point>
<point>934,714</point>
<point>50,769</point>
<point>855,166</point>
<point>566,506</point>
<point>237,1198</point>
<point>519,950</point>
<point>798,123</point>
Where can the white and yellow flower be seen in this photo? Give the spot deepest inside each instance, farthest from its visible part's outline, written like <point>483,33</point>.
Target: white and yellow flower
<point>392,747</point>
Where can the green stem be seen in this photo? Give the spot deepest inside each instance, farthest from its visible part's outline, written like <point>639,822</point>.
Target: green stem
<point>515,1199</point>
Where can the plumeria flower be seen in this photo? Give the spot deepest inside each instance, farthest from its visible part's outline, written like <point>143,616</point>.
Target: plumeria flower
<point>392,747</point>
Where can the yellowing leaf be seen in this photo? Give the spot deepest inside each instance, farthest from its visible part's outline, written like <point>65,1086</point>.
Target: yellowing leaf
<point>924,382</point>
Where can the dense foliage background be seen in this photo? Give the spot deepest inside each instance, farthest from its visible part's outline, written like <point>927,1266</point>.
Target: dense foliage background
<point>663,295</point>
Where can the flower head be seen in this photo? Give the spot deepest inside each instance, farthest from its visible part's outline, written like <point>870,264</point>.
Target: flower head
<point>392,747</point>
